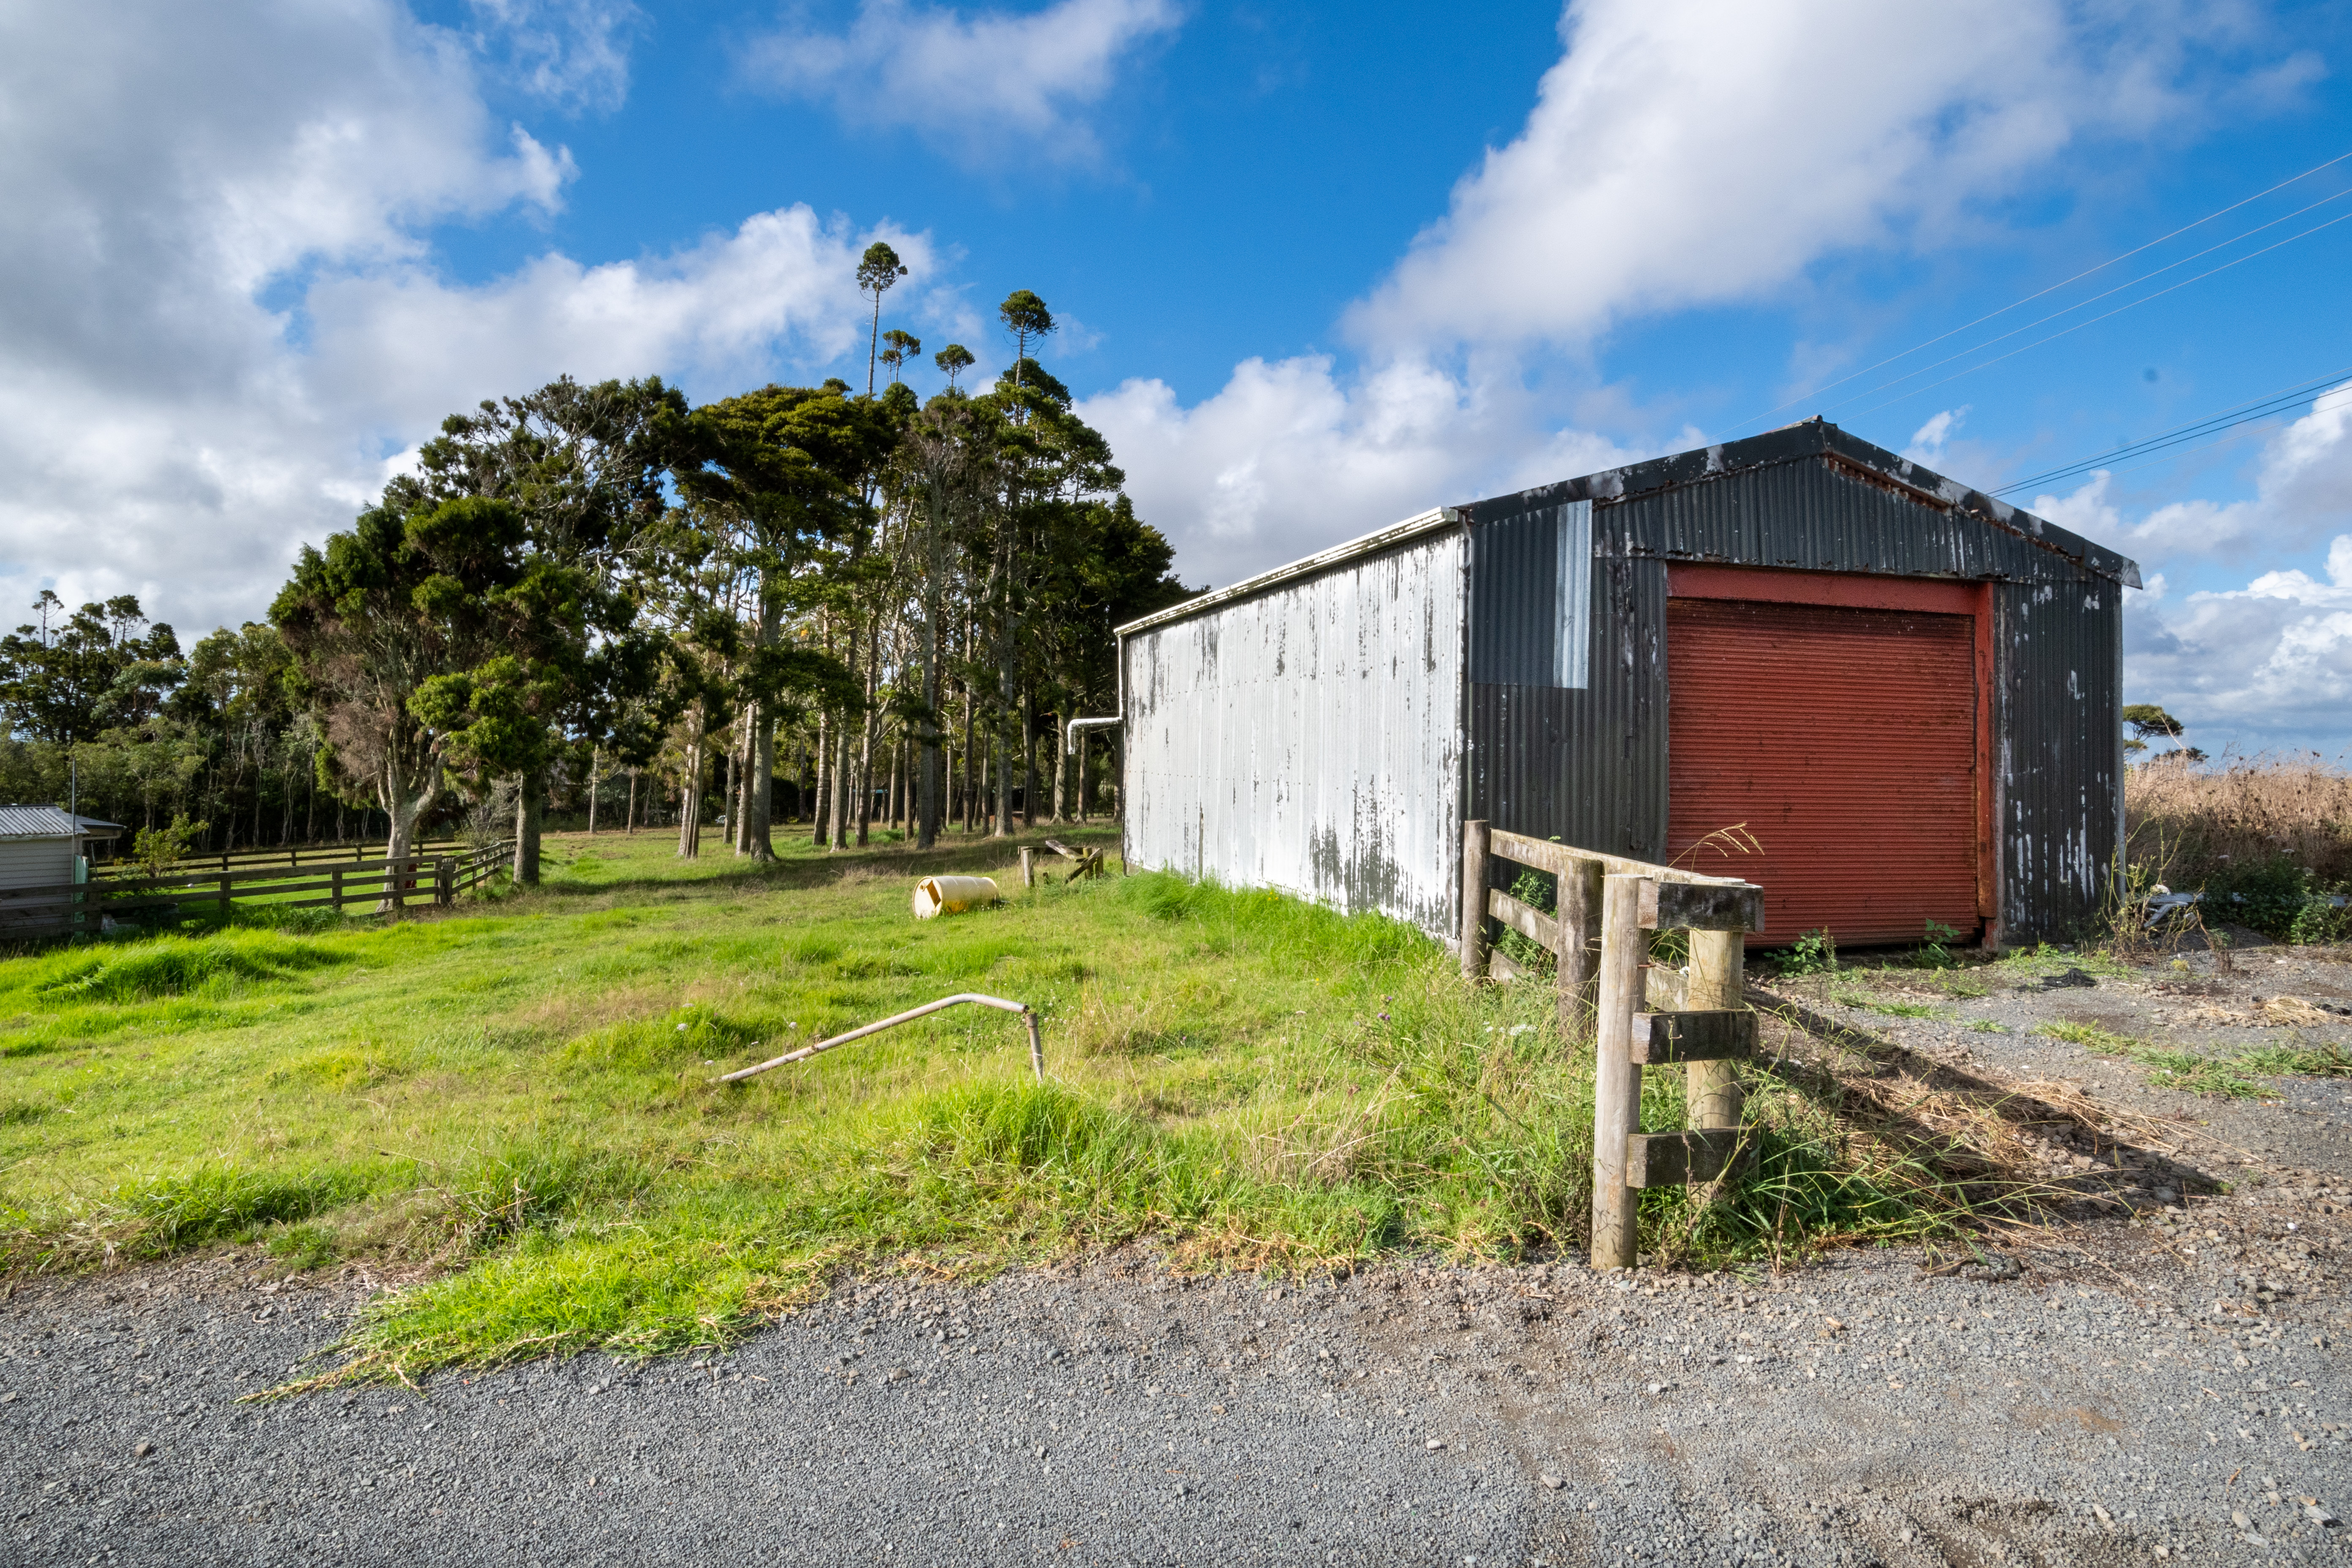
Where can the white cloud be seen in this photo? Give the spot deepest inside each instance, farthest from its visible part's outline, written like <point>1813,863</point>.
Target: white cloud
<point>1927,442</point>
<point>2263,667</point>
<point>2258,668</point>
<point>972,83</point>
<point>573,53</point>
<point>1288,457</point>
<point>1690,153</point>
<point>224,310</point>
<point>2302,491</point>
<point>1680,152</point>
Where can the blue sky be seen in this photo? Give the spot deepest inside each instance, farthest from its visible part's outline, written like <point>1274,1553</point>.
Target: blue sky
<point>1320,267</point>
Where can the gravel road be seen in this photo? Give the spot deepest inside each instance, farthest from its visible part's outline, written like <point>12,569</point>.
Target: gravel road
<point>2124,1391</point>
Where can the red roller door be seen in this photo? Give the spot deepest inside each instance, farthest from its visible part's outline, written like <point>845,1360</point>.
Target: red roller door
<point>1848,740</point>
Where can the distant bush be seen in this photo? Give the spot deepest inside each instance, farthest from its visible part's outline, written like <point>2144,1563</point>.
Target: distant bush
<point>2269,841</point>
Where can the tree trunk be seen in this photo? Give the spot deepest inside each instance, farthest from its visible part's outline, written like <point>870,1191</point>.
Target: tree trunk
<point>821,783</point>
<point>596,763</point>
<point>690,813</point>
<point>1029,760</point>
<point>530,815</point>
<point>405,799</point>
<point>632,818</point>
<point>760,800</point>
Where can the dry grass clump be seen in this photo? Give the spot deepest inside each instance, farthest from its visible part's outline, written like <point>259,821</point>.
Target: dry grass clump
<point>2188,824</point>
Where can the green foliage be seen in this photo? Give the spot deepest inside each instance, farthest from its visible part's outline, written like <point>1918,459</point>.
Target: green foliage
<point>1537,890</point>
<point>1935,952</point>
<point>2279,899</point>
<point>158,851</point>
<point>2326,917</point>
<point>1814,953</point>
<point>2145,718</point>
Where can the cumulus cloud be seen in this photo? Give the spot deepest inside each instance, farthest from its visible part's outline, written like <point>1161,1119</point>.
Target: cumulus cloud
<point>974,84</point>
<point>2259,667</point>
<point>2263,667</point>
<point>1681,153</point>
<point>1289,457</point>
<point>1689,152</point>
<point>222,315</point>
<point>2302,491</point>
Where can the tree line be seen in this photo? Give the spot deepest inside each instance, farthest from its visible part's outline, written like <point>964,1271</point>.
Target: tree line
<point>818,603</point>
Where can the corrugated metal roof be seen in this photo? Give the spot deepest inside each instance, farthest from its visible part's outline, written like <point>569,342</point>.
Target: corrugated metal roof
<point>1366,544</point>
<point>35,822</point>
<point>1854,458</point>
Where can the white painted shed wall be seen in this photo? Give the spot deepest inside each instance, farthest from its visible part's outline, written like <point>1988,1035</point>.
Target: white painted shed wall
<point>37,862</point>
<point>1310,737</point>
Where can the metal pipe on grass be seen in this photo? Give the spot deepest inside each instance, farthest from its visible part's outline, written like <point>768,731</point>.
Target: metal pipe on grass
<point>1036,1041</point>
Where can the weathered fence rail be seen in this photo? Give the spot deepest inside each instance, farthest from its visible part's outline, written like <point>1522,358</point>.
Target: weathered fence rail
<point>420,879</point>
<point>288,855</point>
<point>1637,1014</point>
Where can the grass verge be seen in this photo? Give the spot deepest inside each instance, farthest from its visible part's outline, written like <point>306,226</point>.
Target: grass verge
<point>513,1105</point>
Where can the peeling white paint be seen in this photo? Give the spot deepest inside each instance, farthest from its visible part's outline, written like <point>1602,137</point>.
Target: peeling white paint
<point>1309,736</point>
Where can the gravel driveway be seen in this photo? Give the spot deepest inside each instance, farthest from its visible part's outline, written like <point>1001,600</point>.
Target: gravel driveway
<point>2126,1394</point>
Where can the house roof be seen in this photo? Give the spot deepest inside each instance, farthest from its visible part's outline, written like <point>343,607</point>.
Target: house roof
<point>35,822</point>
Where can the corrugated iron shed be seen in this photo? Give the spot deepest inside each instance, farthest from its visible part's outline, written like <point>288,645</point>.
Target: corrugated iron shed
<point>1561,598</point>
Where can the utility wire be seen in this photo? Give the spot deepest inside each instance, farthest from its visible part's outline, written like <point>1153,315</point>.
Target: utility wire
<point>2029,298</point>
<point>2094,320</point>
<point>2108,294</point>
<point>2215,425</point>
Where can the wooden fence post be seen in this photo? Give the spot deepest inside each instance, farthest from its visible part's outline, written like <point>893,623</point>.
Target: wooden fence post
<point>1616,1080</point>
<point>1717,965</point>
<point>224,892</point>
<point>339,889</point>
<point>1028,867</point>
<point>445,881</point>
<point>1579,910</point>
<point>1476,840</point>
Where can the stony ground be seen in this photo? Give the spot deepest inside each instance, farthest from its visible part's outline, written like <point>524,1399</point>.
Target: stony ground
<point>2162,1380</point>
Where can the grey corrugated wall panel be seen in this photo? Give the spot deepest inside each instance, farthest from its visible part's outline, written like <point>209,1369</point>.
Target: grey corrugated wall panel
<point>1310,737</point>
<point>1587,767</point>
<point>2058,754</point>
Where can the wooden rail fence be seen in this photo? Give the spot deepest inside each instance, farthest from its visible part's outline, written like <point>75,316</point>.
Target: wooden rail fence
<point>288,855</point>
<point>1638,1016</point>
<point>422,879</point>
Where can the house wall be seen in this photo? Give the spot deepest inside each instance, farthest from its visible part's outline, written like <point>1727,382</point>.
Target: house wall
<point>36,862</point>
<point>1308,737</point>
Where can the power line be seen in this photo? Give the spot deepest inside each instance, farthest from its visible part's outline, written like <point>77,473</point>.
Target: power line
<point>2111,293</point>
<point>2213,425</point>
<point>2053,288</point>
<point>2094,320</point>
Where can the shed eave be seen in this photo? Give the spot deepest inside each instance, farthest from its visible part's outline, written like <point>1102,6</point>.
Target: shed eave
<point>1372,544</point>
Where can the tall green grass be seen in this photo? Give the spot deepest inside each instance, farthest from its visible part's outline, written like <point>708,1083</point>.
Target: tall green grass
<point>521,1100</point>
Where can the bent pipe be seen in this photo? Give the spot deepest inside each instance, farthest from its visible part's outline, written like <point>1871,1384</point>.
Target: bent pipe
<point>1036,1044</point>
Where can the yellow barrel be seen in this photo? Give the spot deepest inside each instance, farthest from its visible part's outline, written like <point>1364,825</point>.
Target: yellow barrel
<point>952,895</point>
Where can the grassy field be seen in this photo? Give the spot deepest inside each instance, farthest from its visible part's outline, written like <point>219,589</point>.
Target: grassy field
<point>511,1105</point>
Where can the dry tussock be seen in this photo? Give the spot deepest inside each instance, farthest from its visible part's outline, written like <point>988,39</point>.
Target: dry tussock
<point>2185,823</point>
